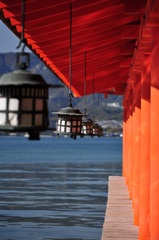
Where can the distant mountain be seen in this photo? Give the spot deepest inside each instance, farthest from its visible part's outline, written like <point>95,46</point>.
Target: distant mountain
<point>104,108</point>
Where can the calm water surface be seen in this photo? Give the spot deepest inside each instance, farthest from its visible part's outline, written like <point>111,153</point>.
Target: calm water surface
<point>56,188</point>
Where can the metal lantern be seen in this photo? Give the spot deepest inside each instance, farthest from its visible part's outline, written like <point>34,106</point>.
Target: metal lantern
<point>95,129</point>
<point>23,96</point>
<point>100,131</point>
<point>23,102</point>
<point>87,126</point>
<point>69,122</point>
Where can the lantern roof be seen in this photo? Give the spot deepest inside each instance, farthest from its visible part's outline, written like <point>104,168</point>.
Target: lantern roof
<point>95,124</point>
<point>70,111</point>
<point>85,119</point>
<point>22,77</point>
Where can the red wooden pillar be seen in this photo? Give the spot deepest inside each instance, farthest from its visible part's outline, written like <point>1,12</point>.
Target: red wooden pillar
<point>126,147</point>
<point>130,143</point>
<point>154,138</point>
<point>145,150</point>
<point>124,150</point>
<point>133,149</point>
<point>124,164</point>
<point>136,148</point>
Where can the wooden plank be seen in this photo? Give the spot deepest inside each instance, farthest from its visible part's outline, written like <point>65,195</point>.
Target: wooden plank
<point>118,222</point>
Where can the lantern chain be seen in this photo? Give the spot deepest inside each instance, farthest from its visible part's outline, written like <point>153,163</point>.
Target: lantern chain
<point>70,58</point>
<point>23,58</point>
<point>85,69</point>
<point>22,39</point>
<point>93,98</point>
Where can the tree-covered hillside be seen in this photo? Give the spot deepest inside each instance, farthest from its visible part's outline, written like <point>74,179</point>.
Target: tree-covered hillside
<point>104,108</point>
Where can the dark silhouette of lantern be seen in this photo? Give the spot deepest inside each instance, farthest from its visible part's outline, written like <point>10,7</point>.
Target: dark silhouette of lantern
<point>23,96</point>
<point>23,101</point>
<point>69,122</point>
<point>87,126</point>
<point>96,129</point>
<point>100,131</point>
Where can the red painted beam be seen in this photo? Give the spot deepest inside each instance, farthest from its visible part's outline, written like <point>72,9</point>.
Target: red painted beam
<point>152,13</point>
<point>130,31</point>
<point>127,48</point>
<point>135,7</point>
<point>125,61</point>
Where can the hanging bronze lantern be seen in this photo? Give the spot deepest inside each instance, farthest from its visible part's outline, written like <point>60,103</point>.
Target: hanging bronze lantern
<point>69,122</point>
<point>101,131</point>
<point>87,126</point>
<point>23,101</point>
<point>96,129</point>
<point>24,96</point>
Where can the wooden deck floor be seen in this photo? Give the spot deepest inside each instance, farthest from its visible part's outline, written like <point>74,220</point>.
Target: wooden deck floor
<point>118,223</point>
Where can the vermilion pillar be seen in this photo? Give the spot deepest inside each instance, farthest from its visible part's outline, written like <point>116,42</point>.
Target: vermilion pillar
<point>145,150</point>
<point>129,143</point>
<point>136,148</point>
<point>124,151</point>
<point>125,142</point>
<point>154,138</point>
<point>124,165</point>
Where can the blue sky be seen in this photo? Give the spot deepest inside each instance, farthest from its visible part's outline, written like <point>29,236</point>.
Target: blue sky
<point>8,41</point>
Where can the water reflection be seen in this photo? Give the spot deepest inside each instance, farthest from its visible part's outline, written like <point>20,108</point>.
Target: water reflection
<point>55,189</point>
<point>61,201</point>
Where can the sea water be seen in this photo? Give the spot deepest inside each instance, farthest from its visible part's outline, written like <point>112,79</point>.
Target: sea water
<point>55,188</point>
